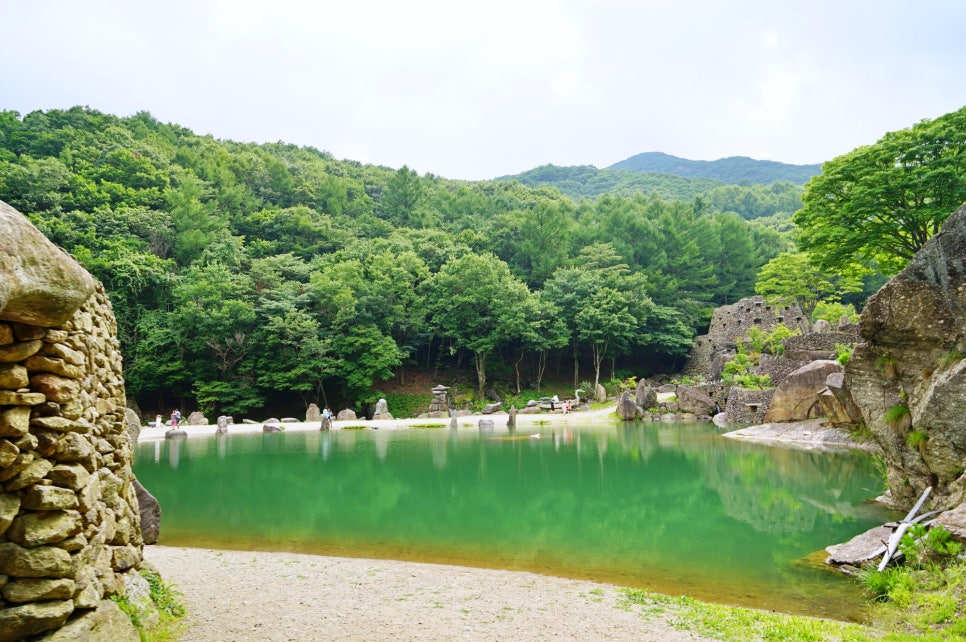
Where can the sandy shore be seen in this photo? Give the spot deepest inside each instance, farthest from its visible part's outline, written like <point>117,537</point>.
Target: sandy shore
<point>239,595</point>
<point>523,423</point>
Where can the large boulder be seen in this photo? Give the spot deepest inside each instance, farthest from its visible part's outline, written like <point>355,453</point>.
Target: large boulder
<point>796,397</point>
<point>908,377</point>
<point>106,623</point>
<point>837,403</point>
<point>382,410</point>
<point>312,414</point>
<point>626,407</point>
<point>150,513</point>
<point>695,401</point>
<point>133,423</point>
<point>41,285</point>
<point>645,396</point>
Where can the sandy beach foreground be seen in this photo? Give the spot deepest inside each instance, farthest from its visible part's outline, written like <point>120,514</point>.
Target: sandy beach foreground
<point>244,595</point>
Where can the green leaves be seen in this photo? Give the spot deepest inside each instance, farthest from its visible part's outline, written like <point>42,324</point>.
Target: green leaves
<point>793,277</point>
<point>246,275</point>
<point>878,204</point>
<point>475,301</point>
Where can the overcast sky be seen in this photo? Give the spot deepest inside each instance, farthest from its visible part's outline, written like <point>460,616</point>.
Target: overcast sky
<point>475,90</point>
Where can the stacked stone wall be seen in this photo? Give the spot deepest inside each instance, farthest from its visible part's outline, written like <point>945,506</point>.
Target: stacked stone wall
<point>69,527</point>
<point>748,407</point>
<point>777,368</point>
<point>732,322</point>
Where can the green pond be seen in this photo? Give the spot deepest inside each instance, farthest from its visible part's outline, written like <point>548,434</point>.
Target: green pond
<point>674,508</point>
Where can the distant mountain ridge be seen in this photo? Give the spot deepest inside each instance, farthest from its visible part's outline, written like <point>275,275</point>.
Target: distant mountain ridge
<point>734,169</point>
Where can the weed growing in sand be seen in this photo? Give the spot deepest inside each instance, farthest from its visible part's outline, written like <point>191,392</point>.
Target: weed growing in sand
<point>168,602</point>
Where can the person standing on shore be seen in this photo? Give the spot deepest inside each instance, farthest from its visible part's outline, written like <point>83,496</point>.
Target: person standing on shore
<point>175,417</point>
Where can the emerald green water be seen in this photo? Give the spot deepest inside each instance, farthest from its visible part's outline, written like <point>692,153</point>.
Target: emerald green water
<point>677,509</point>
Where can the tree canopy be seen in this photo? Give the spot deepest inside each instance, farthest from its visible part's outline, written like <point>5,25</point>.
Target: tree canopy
<point>878,204</point>
<point>253,277</point>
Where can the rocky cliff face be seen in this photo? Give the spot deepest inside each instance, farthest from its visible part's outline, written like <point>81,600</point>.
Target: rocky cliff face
<point>908,376</point>
<point>70,534</point>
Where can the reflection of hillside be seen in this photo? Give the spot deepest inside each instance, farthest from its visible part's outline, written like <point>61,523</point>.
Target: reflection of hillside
<point>778,490</point>
<point>630,502</point>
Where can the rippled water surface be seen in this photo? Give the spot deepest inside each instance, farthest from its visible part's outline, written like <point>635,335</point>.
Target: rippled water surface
<point>674,508</point>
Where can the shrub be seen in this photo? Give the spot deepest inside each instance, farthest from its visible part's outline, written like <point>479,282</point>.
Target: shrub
<point>921,545</point>
<point>759,341</point>
<point>843,353</point>
<point>686,380</point>
<point>405,405</point>
<point>739,365</point>
<point>752,381</point>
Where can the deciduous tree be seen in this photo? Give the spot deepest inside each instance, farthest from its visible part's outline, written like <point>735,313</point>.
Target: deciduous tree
<point>877,205</point>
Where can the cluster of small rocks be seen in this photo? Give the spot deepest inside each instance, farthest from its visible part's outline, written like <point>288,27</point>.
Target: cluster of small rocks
<point>690,403</point>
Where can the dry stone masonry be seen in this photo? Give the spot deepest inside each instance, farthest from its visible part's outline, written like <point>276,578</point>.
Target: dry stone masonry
<point>732,322</point>
<point>70,534</point>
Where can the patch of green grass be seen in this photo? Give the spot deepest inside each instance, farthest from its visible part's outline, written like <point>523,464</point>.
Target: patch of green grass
<point>354,427</point>
<point>950,358</point>
<point>915,438</point>
<point>732,623</point>
<point>427,425</point>
<point>165,596</point>
<point>921,601</point>
<point>895,414</point>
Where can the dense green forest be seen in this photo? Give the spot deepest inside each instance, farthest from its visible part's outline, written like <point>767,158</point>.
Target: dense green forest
<point>735,169</point>
<point>750,201</point>
<point>248,278</point>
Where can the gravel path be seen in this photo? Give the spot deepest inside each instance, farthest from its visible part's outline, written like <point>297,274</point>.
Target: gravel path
<point>239,595</point>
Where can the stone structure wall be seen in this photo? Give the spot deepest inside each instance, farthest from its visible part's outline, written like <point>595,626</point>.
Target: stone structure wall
<point>822,341</point>
<point>731,322</point>
<point>748,407</point>
<point>70,533</point>
<point>779,367</point>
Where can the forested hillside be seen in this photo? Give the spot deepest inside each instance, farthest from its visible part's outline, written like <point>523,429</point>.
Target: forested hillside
<point>750,201</point>
<point>735,169</point>
<point>248,277</point>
